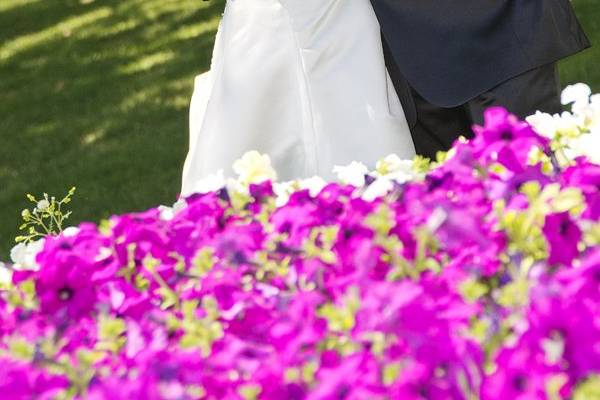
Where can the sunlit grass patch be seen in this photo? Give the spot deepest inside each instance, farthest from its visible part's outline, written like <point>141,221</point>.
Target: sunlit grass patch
<point>96,92</point>
<point>59,31</point>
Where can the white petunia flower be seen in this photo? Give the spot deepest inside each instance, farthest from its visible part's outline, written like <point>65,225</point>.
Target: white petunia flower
<point>379,187</point>
<point>595,102</point>
<point>543,123</point>
<point>565,124</point>
<point>23,255</point>
<point>594,118</point>
<point>210,183</point>
<point>587,144</point>
<point>237,186</point>
<point>70,231</point>
<point>396,169</point>
<point>168,213</point>
<point>179,205</point>
<point>254,167</point>
<point>314,185</point>
<point>352,174</point>
<point>402,177</point>
<point>577,93</point>
<point>17,253</point>
<point>283,191</point>
<point>393,164</point>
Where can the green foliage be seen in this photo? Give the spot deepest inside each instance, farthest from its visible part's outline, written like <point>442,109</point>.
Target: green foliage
<point>341,318</point>
<point>46,218</point>
<point>111,334</point>
<point>200,333</point>
<point>589,390</point>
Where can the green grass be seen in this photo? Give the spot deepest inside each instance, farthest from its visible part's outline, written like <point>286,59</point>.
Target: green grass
<point>584,67</point>
<point>94,93</point>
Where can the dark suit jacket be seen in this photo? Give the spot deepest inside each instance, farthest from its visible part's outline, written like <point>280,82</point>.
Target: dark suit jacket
<point>451,51</point>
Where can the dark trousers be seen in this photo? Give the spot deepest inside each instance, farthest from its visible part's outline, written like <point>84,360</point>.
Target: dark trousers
<point>437,128</point>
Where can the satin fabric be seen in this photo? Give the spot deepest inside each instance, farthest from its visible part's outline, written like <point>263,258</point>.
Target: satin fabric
<point>302,81</point>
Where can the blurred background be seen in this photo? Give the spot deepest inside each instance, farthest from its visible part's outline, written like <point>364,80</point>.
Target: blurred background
<point>94,94</point>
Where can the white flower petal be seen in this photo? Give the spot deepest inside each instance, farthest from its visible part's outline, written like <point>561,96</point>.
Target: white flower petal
<point>352,174</point>
<point>210,183</point>
<point>23,255</point>
<point>17,253</point>
<point>588,144</point>
<point>166,213</point>
<point>378,188</point>
<point>577,93</point>
<point>394,164</point>
<point>543,123</point>
<point>314,185</point>
<point>283,191</point>
<point>71,231</point>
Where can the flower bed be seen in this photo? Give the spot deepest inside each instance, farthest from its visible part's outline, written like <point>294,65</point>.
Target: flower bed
<point>475,277</point>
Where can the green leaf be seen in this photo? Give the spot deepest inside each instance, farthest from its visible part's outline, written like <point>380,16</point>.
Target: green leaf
<point>341,318</point>
<point>390,373</point>
<point>514,294</point>
<point>111,333</point>
<point>249,391</point>
<point>20,349</point>
<point>589,389</point>
<point>169,298</point>
<point>203,262</point>
<point>382,220</point>
<point>472,290</point>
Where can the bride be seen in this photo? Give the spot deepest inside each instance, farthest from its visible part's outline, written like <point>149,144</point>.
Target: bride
<point>303,81</point>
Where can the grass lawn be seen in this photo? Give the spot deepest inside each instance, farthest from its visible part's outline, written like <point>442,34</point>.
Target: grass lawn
<point>585,67</point>
<point>94,93</point>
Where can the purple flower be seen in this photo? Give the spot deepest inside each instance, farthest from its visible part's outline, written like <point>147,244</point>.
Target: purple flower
<point>585,176</point>
<point>520,374</point>
<point>583,281</point>
<point>506,140</point>
<point>421,293</point>
<point>563,236</point>
<point>64,282</point>
<point>21,381</point>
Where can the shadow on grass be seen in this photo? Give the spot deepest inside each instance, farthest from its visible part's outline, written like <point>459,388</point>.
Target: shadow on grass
<point>96,95</point>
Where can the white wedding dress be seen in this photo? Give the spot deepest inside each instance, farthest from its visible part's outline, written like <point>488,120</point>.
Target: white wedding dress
<point>303,81</point>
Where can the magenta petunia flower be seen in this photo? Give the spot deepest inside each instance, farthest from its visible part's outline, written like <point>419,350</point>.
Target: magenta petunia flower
<point>506,140</point>
<point>64,282</point>
<point>585,176</point>
<point>418,293</point>
<point>563,236</point>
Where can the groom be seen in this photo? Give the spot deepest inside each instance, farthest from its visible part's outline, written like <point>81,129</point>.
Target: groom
<point>451,59</point>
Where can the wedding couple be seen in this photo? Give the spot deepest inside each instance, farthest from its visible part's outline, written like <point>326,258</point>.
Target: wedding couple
<point>319,83</point>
